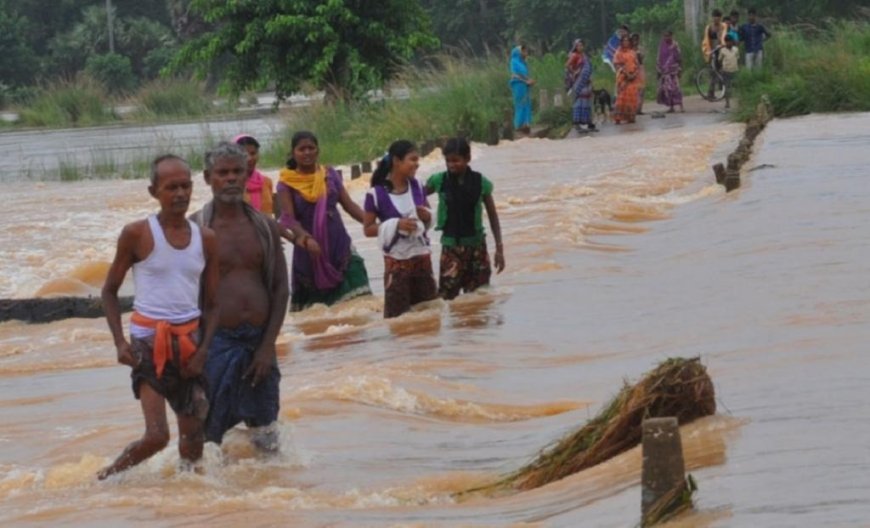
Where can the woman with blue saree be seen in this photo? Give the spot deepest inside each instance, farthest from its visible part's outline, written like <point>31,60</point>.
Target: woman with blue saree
<point>521,86</point>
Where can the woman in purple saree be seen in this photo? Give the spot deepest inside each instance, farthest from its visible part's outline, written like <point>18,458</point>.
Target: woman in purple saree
<point>669,66</point>
<point>326,268</point>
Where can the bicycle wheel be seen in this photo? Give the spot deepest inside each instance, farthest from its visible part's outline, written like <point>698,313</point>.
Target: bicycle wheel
<point>710,84</point>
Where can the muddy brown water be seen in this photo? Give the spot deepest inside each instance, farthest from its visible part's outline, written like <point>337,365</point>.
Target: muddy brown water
<point>621,252</point>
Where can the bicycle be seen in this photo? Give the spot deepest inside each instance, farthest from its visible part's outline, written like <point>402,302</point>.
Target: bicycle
<point>709,82</point>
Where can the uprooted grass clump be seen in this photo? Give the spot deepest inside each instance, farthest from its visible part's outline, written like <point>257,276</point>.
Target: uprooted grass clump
<point>677,387</point>
<point>671,504</point>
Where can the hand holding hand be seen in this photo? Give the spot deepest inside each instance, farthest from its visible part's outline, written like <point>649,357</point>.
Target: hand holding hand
<point>408,225</point>
<point>310,245</point>
<point>195,366</point>
<point>424,214</point>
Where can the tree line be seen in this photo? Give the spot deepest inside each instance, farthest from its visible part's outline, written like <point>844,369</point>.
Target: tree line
<point>345,47</point>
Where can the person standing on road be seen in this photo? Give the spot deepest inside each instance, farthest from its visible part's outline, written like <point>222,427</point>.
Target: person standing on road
<point>669,66</point>
<point>521,87</point>
<point>627,67</point>
<point>753,35</point>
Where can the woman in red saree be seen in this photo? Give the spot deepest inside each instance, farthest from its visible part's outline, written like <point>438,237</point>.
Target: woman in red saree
<point>627,82</point>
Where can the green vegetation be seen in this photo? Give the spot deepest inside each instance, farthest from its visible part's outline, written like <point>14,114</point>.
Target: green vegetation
<point>448,96</point>
<point>172,98</point>
<point>113,71</point>
<point>344,47</point>
<point>677,387</point>
<point>77,103</point>
<point>810,69</point>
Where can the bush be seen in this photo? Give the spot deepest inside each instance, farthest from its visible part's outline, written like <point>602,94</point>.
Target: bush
<point>113,71</point>
<point>76,103</point>
<point>448,96</point>
<point>826,70</point>
<point>172,98</point>
<point>155,61</point>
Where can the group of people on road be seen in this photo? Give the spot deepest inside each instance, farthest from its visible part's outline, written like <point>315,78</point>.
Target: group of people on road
<point>624,53</point>
<point>212,290</point>
<point>722,29</point>
<point>721,45</point>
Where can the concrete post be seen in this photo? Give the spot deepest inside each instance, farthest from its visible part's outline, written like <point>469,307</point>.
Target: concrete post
<point>355,172</point>
<point>732,180</point>
<point>719,171</point>
<point>508,125</point>
<point>558,100</point>
<point>492,138</point>
<point>663,466</point>
<point>544,95</point>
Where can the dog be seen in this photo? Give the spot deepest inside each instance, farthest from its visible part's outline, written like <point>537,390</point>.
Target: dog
<point>602,105</point>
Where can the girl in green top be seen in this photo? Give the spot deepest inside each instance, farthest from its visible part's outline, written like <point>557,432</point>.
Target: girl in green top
<point>462,194</point>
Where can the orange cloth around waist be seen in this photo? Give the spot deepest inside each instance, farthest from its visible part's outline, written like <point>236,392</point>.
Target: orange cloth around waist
<point>164,331</point>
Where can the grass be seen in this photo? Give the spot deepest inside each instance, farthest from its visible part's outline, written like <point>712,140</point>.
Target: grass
<point>68,103</point>
<point>172,98</point>
<point>83,102</point>
<point>807,69</point>
<point>677,387</point>
<point>811,69</point>
<point>449,96</point>
<point>103,165</point>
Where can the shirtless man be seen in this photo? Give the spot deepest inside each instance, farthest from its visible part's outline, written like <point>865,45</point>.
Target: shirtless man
<point>173,259</point>
<point>242,370</point>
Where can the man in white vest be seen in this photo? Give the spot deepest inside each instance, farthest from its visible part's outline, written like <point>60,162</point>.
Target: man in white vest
<point>175,274</point>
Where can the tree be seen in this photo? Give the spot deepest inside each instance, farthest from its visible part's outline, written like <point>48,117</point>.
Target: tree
<point>113,71</point>
<point>144,40</point>
<point>343,46</point>
<point>475,24</point>
<point>18,63</point>
<point>545,23</point>
<point>88,37</point>
<point>186,22</point>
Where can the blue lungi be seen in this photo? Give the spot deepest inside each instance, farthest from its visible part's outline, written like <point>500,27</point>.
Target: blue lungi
<point>233,400</point>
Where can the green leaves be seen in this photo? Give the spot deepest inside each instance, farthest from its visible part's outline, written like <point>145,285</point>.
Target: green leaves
<point>343,46</point>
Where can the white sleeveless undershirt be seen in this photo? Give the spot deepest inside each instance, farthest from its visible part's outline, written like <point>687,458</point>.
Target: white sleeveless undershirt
<point>167,281</point>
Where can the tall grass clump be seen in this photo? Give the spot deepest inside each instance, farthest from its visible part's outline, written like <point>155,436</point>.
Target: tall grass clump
<point>677,387</point>
<point>81,102</point>
<point>811,69</point>
<point>448,96</point>
<point>172,98</point>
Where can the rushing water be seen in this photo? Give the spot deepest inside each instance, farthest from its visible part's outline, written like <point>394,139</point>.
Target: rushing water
<point>620,253</point>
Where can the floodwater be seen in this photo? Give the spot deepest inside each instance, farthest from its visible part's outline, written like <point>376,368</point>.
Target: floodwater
<point>47,154</point>
<point>621,252</point>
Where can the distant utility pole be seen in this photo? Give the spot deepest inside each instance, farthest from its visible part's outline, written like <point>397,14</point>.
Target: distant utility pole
<point>692,9</point>
<point>111,26</point>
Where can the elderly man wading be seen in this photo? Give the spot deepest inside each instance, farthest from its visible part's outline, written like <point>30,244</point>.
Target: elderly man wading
<point>242,369</point>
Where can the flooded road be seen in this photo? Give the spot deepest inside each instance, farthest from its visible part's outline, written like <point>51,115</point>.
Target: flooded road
<point>620,251</point>
<point>103,151</point>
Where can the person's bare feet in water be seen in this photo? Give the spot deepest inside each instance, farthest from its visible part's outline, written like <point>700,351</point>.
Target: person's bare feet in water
<point>671,110</point>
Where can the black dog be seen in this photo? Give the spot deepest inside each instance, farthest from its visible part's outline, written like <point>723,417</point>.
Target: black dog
<point>602,104</point>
